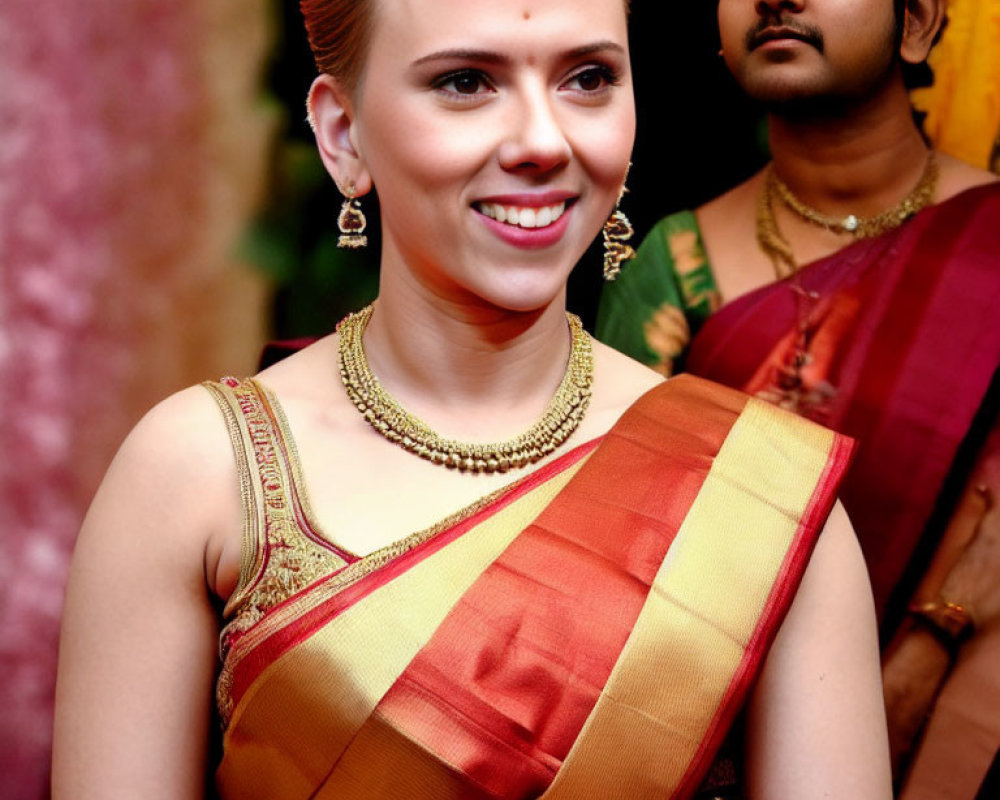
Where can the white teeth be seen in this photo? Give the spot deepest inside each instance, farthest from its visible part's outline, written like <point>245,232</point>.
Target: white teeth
<point>523,217</point>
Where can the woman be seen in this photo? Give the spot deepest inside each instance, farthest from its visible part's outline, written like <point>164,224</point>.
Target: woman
<point>534,622</point>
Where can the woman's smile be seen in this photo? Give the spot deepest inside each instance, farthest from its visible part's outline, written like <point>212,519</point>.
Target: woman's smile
<point>530,221</point>
<point>522,216</point>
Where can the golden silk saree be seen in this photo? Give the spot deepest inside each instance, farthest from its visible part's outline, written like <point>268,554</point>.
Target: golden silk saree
<point>591,630</point>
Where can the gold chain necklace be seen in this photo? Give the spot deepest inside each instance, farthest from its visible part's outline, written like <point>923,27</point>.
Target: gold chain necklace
<point>391,420</point>
<point>776,246</point>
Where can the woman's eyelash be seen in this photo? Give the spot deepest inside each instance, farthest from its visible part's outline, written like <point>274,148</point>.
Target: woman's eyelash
<point>469,83</point>
<point>467,78</point>
<point>608,74</point>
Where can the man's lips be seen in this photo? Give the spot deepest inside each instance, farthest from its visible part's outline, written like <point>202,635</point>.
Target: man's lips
<point>762,35</point>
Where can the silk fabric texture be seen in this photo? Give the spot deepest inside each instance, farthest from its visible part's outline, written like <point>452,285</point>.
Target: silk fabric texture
<point>903,344</point>
<point>589,631</point>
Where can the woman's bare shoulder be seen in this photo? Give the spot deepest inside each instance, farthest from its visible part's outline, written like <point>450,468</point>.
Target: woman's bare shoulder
<point>182,437</point>
<point>173,482</point>
<point>620,380</point>
<point>309,372</point>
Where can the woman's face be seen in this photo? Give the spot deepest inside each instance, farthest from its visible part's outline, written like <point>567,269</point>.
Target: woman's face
<point>497,136</point>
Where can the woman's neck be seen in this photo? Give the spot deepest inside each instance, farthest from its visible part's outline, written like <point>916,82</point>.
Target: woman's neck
<point>467,369</point>
<point>861,163</point>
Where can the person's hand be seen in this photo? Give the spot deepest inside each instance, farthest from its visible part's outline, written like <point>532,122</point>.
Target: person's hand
<point>974,580</point>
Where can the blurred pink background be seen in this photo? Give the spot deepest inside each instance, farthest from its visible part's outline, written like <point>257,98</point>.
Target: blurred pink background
<point>132,147</point>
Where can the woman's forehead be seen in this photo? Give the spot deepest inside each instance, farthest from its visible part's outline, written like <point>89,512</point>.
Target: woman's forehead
<point>410,26</point>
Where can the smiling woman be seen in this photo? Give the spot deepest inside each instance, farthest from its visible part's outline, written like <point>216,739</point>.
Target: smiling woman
<point>576,586</point>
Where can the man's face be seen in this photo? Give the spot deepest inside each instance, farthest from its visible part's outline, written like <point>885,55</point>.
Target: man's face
<point>789,53</point>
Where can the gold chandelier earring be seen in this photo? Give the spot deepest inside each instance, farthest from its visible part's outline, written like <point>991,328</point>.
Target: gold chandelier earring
<point>617,231</point>
<point>352,222</point>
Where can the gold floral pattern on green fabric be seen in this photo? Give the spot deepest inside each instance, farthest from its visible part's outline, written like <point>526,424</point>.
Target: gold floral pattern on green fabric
<point>690,265</point>
<point>667,334</point>
<point>662,298</point>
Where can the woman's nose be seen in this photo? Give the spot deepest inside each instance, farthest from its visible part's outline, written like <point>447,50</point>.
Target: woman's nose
<point>535,139</point>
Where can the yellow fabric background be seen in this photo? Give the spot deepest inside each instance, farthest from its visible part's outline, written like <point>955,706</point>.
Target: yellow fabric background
<point>963,105</point>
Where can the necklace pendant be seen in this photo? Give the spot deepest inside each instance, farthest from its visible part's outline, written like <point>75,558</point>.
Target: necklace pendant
<point>777,247</point>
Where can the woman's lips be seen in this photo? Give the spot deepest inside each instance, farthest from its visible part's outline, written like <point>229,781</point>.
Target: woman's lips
<point>523,216</point>
<point>523,225</point>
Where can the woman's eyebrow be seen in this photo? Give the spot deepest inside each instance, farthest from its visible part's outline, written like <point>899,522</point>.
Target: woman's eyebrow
<point>459,54</point>
<point>596,47</point>
<point>492,57</point>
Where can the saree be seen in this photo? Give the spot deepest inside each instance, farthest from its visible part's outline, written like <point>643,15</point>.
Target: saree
<point>895,342</point>
<point>590,630</point>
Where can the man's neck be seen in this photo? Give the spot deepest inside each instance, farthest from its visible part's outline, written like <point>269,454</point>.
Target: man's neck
<point>861,162</point>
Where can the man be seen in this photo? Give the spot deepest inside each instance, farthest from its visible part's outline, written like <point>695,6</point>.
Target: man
<point>861,279</point>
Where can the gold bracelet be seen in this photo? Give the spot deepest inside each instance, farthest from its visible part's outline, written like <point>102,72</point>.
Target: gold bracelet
<point>951,623</point>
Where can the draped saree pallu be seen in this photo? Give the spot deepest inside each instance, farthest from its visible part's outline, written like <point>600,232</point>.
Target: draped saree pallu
<point>590,631</point>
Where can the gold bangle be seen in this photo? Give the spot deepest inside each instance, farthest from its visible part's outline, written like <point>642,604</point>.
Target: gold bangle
<point>952,621</point>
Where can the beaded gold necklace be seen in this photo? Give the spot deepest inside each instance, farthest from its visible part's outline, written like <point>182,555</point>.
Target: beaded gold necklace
<point>776,246</point>
<point>391,420</point>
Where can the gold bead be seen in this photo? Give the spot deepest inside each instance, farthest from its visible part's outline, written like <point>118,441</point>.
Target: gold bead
<point>391,420</point>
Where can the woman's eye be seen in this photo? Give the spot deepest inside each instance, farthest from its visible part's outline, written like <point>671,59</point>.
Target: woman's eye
<point>592,79</point>
<point>463,83</point>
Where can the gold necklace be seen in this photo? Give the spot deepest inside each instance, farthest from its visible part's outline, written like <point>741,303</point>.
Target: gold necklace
<point>775,245</point>
<point>391,420</point>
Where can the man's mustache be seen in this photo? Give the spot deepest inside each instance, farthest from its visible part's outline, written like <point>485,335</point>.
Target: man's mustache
<point>781,26</point>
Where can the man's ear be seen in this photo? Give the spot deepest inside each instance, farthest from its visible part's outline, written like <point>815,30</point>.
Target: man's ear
<point>331,114</point>
<point>921,25</point>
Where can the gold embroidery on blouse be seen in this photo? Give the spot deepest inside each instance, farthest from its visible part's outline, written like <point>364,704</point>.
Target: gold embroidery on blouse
<point>280,558</point>
<point>346,577</point>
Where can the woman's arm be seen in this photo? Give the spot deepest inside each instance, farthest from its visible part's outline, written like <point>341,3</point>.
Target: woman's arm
<point>816,721</point>
<point>137,653</point>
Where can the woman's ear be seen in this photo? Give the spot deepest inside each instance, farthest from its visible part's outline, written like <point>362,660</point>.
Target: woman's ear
<point>921,26</point>
<point>331,114</point>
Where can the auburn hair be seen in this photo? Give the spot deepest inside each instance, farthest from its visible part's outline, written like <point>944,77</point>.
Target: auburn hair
<point>338,32</point>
